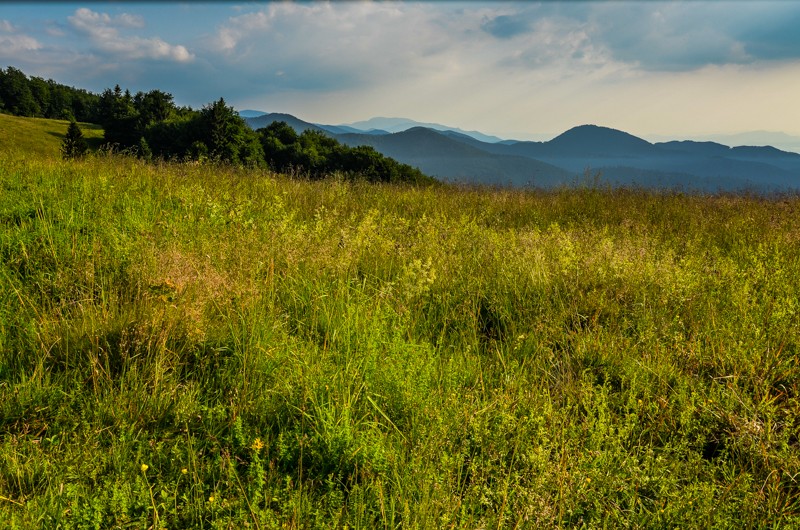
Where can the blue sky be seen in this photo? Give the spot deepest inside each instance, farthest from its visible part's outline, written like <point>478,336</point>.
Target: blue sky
<point>518,69</point>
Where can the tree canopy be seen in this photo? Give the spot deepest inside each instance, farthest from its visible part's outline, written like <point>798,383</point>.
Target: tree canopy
<point>35,97</point>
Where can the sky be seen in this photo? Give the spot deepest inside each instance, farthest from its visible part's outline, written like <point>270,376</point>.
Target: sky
<point>520,70</point>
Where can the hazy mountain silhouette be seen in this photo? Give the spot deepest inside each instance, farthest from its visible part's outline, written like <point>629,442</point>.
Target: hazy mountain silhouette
<point>251,113</point>
<point>617,157</point>
<point>295,123</point>
<point>393,125</point>
<point>264,120</point>
<point>779,140</point>
<point>599,141</point>
<point>441,156</point>
<point>344,129</point>
<point>695,148</point>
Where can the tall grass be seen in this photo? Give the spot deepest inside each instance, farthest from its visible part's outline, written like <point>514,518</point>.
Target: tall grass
<point>199,346</point>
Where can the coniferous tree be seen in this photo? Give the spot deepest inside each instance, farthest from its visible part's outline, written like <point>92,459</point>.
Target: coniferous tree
<point>227,135</point>
<point>144,149</point>
<point>74,144</point>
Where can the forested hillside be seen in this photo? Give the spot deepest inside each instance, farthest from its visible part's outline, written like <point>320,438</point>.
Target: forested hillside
<point>150,125</point>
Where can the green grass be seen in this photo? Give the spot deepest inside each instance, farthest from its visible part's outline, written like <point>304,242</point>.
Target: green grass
<point>39,137</point>
<point>290,354</point>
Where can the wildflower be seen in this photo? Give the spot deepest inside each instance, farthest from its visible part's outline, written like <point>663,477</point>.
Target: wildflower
<point>184,470</point>
<point>210,498</point>
<point>257,444</point>
<point>144,468</point>
<point>588,480</point>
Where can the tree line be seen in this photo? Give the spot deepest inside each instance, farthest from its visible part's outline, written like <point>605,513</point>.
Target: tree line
<point>36,98</point>
<point>151,125</point>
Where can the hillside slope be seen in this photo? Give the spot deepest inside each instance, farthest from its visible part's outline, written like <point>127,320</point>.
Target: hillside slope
<point>41,137</point>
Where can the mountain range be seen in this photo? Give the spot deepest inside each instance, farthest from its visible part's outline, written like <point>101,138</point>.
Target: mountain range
<point>586,152</point>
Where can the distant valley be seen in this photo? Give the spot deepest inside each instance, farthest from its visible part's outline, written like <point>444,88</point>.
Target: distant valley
<point>587,153</point>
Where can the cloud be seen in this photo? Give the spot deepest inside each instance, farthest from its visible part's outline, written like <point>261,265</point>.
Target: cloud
<point>667,37</point>
<point>326,45</point>
<point>13,43</point>
<point>104,32</point>
<point>237,28</point>
<point>339,46</point>
<point>775,36</point>
<point>652,36</point>
<point>684,36</point>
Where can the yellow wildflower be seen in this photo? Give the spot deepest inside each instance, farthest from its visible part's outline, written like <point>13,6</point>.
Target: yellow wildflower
<point>144,468</point>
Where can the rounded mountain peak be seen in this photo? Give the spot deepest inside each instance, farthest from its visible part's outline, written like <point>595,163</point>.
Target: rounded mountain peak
<point>599,140</point>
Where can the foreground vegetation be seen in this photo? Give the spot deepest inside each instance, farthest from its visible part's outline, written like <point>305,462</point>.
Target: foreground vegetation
<point>199,346</point>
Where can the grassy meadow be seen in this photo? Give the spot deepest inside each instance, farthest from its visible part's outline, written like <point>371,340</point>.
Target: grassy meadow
<point>39,137</point>
<point>194,346</point>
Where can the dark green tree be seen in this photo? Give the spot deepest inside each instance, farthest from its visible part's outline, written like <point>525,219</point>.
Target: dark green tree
<point>15,92</point>
<point>221,132</point>
<point>144,149</point>
<point>119,118</point>
<point>227,135</point>
<point>74,144</point>
<point>153,107</point>
<point>41,94</point>
<point>173,138</point>
<point>35,97</point>
<point>317,155</point>
<point>60,103</point>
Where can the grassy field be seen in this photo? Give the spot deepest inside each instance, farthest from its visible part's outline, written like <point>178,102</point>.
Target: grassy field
<point>38,137</point>
<point>204,347</point>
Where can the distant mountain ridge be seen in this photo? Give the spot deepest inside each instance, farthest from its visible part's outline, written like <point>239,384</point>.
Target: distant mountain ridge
<point>619,158</point>
<point>382,126</point>
<point>394,125</point>
<point>297,124</point>
<point>442,156</point>
<point>779,140</point>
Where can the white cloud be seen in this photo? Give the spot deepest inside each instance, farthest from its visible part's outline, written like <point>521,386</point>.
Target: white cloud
<point>54,31</point>
<point>13,43</point>
<point>130,21</point>
<point>429,61</point>
<point>342,45</point>
<point>342,35</point>
<point>229,35</point>
<point>103,30</point>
